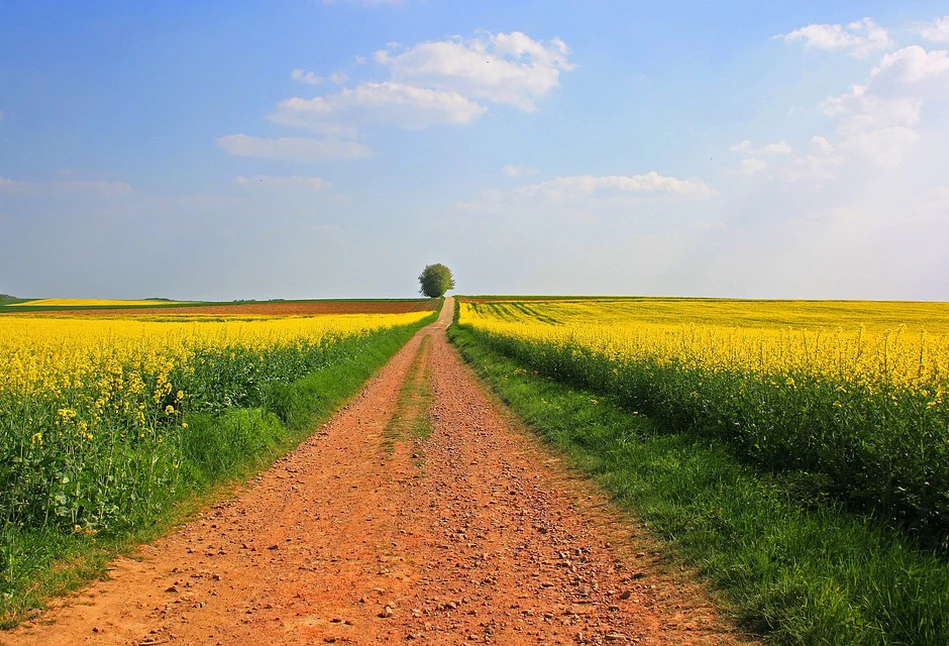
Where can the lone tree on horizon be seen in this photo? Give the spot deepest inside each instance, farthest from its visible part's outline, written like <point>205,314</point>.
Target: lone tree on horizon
<point>436,280</point>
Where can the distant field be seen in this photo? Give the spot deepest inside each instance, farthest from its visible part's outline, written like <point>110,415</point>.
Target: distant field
<point>911,316</point>
<point>92,302</point>
<point>242,308</point>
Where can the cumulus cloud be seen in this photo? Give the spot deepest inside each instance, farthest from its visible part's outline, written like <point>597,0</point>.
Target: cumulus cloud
<point>298,149</point>
<point>520,171</point>
<point>283,183</point>
<point>878,120</point>
<point>913,64</point>
<point>380,104</point>
<point>937,32</point>
<point>512,69</point>
<point>579,187</point>
<point>859,38</point>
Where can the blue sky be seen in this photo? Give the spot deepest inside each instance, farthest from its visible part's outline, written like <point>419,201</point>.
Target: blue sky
<point>298,148</point>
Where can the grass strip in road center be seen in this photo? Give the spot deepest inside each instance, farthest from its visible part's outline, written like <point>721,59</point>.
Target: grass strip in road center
<point>410,419</point>
<point>796,573</point>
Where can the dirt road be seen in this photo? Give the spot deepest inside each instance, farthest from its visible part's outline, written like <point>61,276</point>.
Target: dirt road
<point>371,534</point>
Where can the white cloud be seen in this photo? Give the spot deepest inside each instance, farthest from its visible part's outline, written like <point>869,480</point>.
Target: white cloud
<point>878,120</point>
<point>861,111</point>
<point>913,64</point>
<point>283,183</point>
<point>299,149</point>
<point>743,147</point>
<point>937,32</point>
<point>511,69</point>
<point>386,103</point>
<point>306,76</point>
<point>886,147</point>
<point>580,187</point>
<point>820,166</point>
<point>312,78</point>
<point>859,38</point>
<point>520,171</point>
<point>821,145</point>
<point>751,166</point>
<point>776,148</point>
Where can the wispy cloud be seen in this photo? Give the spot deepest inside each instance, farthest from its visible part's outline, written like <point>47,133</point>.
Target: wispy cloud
<point>270,182</point>
<point>776,148</point>
<point>520,171</point>
<point>581,187</point>
<point>76,187</point>
<point>298,149</point>
<point>377,104</point>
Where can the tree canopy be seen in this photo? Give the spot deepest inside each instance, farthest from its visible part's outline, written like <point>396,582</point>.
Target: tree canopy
<point>435,280</point>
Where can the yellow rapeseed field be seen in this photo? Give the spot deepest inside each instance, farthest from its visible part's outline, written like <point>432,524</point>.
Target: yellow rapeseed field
<point>98,416</point>
<point>851,394</point>
<point>871,343</point>
<point>48,356</point>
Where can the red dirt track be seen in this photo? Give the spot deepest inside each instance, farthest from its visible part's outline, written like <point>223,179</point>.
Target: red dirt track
<point>473,535</point>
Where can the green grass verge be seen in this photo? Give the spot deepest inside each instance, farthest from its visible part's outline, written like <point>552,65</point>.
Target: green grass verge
<point>800,574</point>
<point>220,450</point>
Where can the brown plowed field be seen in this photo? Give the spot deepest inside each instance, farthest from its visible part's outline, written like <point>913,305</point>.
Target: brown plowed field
<point>371,534</point>
<point>277,308</point>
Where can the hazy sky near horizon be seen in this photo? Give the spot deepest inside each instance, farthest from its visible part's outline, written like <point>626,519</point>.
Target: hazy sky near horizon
<point>299,148</point>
